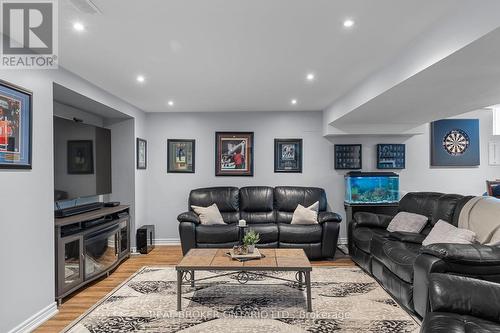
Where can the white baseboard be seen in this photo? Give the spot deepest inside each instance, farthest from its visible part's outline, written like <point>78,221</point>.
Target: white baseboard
<point>167,241</point>
<point>342,241</point>
<point>36,320</point>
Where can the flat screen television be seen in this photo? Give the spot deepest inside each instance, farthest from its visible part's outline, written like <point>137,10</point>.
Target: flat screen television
<point>82,160</point>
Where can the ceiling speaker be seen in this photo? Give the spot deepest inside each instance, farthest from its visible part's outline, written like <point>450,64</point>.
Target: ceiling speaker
<point>86,6</point>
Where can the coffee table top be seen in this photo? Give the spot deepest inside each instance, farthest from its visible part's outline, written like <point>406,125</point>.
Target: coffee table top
<point>216,259</point>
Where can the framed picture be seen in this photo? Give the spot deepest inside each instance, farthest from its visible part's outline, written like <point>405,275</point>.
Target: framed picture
<point>142,154</point>
<point>234,154</point>
<point>287,155</point>
<point>181,156</point>
<point>391,156</point>
<point>348,157</point>
<point>80,157</point>
<point>15,126</point>
<point>455,142</point>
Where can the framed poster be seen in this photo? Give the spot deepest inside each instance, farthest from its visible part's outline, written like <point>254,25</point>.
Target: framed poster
<point>142,153</point>
<point>80,157</point>
<point>181,156</point>
<point>234,154</point>
<point>455,142</point>
<point>15,126</point>
<point>391,156</point>
<point>348,157</point>
<point>288,155</point>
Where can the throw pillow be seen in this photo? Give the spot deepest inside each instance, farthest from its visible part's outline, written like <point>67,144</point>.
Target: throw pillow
<point>444,232</point>
<point>208,215</point>
<point>306,215</point>
<point>407,222</point>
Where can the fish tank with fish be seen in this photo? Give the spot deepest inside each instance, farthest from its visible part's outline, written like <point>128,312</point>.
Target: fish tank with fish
<point>371,187</point>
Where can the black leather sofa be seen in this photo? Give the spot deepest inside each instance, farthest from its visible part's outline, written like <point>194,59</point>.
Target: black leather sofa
<point>268,211</point>
<point>459,305</point>
<point>399,261</point>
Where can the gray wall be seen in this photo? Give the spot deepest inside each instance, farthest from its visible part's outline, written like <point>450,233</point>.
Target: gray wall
<point>167,193</point>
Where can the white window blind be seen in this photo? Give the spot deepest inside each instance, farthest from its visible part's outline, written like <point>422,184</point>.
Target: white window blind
<point>496,120</point>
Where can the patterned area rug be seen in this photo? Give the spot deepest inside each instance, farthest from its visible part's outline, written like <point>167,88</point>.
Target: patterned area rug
<point>344,300</point>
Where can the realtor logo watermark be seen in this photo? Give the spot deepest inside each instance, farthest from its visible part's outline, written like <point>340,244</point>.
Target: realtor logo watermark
<point>29,34</point>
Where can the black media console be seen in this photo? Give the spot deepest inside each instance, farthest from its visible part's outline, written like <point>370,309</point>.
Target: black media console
<point>89,246</point>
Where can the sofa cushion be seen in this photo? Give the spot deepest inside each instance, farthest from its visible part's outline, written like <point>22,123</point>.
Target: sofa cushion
<point>443,232</point>
<point>407,222</point>
<point>226,198</point>
<point>306,215</point>
<point>216,234</point>
<point>268,232</point>
<point>287,198</point>
<point>208,215</point>
<point>397,256</point>
<point>363,236</point>
<point>441,322</point>
<point>257,204</point>
<point>445,208</point>
<point>423,203</point>
<point>300,233</point>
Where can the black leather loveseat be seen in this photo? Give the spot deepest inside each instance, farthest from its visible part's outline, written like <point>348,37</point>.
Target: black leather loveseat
<point>400,262</point>
<point>268,211</point>
<point>459,304</point>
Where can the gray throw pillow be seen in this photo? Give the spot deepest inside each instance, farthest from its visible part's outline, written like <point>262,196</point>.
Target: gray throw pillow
<point>306,215</point>
<point>407,222</point>
<point>208,215</point>
<point>444,232</point>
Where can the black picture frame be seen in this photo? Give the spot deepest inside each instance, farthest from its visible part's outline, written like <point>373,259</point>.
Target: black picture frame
<point>141,157</point>
<point>391,156</point>
<point>227,163</point>
<point>288,155</point>
<point>174,164</point>
<point>80,157</point>
<point>348,157</point>
<point>16,123</point>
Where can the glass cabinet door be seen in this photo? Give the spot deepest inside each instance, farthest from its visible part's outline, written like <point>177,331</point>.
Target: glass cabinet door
<point>124,241</point>
<point>71,263</point>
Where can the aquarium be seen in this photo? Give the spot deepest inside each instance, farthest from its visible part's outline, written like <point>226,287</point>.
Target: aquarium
<point>371,187</point>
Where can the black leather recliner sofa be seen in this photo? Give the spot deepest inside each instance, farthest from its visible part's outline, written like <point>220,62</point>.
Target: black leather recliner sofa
<point>400,262</point>
<point>459,304</point>
<point>268,211</point>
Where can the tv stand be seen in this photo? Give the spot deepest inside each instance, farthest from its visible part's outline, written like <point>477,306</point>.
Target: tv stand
<point>70,211</point>
<point>89,246</point>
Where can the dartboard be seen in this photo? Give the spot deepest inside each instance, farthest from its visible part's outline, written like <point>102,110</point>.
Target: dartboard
<point>456,142</point>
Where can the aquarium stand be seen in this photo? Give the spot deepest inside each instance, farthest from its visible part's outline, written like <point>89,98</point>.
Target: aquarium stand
<point>377,208</point>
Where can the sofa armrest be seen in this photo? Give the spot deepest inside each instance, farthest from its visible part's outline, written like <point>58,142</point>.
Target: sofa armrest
<point>188,217</point>
<point>465,296</point>
<point>408,237</point>
<point>365,219</point>
<point>467,254</point>
<point>329,217</point>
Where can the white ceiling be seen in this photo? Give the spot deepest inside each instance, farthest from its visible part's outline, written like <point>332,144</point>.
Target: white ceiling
<point>238,55</point>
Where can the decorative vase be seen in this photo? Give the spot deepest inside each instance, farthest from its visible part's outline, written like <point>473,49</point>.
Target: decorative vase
<point>250,248</point>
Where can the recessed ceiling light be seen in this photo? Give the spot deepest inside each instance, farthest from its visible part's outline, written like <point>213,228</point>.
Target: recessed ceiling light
<point>78,26</point>
<point>140,78</point>
<point>170,103</point>
<point>310,77</point>
<point>294,101</point>
<point>348,23</point>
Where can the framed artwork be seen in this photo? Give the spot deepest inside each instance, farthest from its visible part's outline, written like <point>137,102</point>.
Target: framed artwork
<point>455,142</point>
<point>80,157</point>
<point>348,157</point>
<point>15,126</point>
<point>181,156</point>
<point>391,156</point>
<point>142,153</point>
<point>234,154</point>
<point>287,155</point>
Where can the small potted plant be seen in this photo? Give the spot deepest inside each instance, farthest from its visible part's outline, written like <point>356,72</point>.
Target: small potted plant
<point>250,239</point>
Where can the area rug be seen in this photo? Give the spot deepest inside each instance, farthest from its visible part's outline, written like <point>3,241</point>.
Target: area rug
<point>344,300</point>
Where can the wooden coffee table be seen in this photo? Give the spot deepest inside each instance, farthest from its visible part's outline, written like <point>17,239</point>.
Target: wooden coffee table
<point>217,260</point>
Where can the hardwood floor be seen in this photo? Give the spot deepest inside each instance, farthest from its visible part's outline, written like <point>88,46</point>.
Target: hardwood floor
<point>79,302</point>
